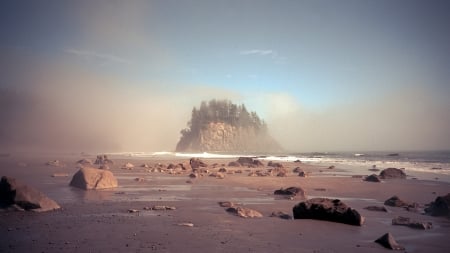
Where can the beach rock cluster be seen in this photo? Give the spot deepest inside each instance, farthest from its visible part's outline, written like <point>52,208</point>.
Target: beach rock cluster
<point>19,196</point>
<point>329,210</point>
<point>93,179</point>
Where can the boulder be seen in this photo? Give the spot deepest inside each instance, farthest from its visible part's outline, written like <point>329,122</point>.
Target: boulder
<point>291,191</point>
<point>197,163</point>
<point>15,193</point>
<point>223,170</point>
<point>439,207</point>
<point>405,221</point>
<point>372,178</point>
<point>388,241</point>
<point>302,174</point>
<point>396,202</point>
<point>327,209</point>
<point>90,178</point>
<point>244,212</point>
<point>275,165</point>
<point>245,161</point>
<point>234,164</point>
<point>226,204</point>
<point>257,163</point>
<point>391,173</point>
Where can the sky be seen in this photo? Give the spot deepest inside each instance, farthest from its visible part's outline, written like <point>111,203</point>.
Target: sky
<point>325,75</point>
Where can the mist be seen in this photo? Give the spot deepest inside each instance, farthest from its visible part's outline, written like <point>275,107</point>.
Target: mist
<point>402,120</point>
<point>52,106</point>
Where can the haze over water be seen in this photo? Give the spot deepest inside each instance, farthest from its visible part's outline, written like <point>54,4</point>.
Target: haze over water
<point>105,76</point>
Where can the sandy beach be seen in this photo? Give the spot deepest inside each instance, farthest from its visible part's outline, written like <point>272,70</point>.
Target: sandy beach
<point>101,221</point>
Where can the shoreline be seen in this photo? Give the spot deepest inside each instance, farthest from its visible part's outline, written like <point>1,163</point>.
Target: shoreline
<point>99,220</point>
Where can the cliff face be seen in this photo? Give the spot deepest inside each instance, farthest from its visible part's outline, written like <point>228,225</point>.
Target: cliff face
<point>222,126</point>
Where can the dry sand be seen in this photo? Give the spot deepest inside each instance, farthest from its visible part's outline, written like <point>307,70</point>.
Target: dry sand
<point>99,221</point>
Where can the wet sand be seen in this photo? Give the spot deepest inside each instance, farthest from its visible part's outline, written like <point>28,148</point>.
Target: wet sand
<point>99,221</point>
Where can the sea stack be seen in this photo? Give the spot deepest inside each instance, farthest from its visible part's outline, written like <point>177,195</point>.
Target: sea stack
<point>219,125</point>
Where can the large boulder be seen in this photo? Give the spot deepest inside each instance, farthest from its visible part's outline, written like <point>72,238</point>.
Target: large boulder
<point>14,193</point>
<point>93,179</point>
<point>440,207</point>
<point>391,173</point>
<point>327,209</point>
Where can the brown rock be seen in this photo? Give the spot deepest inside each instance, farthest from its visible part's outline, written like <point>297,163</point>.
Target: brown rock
<point>396,202</point>
<point>388,241</point>
<point>275,165</point>
<point>197,163</point>
<point>90,178</point>
<point>281,215</point>
<point>440,207</point>
<point>291,191</point>
<point>327,209</point>
<point>15,193</point>
<point>372,178</point>
<point>405,221</point>
<point>391,173</point>
<point>234,164</point>
<point>244,212</point>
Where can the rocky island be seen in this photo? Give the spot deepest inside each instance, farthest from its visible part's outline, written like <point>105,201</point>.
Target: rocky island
<point>220,125</point>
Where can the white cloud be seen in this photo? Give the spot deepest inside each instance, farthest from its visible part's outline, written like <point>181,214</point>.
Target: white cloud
<point>261,52</point>
<point>98,56</point>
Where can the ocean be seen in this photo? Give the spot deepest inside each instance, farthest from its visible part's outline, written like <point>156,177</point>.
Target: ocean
<point>430,165</point>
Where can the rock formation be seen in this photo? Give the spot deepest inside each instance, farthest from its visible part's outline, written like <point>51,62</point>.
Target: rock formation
<point>327,209</point>
<point>388,241</point>
<point>21,196</point>
<point>440,207</point>
<point>391,173</point>
<point>90,178</point>
<point>224,126</point>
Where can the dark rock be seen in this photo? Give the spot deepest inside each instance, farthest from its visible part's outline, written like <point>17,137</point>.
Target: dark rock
<point>394,154</point>
<point>245,161</point>
<point>103,159</point>
<point>234,164</point>
<point>90,178</point>
<point>297,161</point>
<point>372,178</point>
<point>391,173</point>
<point>302,174</point>
<point>440,207</point>
<point>244,212</point>
<point>329,210</point>
<point>257,163</point>
<point>388,241</point>
<point>332,167</point>
<point>291,191</point>
<point>297,170</point>
<point>396,202</point>
<point>197,163</point>
<point>281,215</point>
<point>376,208</point>
<point>405,221</point>
<point>15,193</point>
<point>275,165</point>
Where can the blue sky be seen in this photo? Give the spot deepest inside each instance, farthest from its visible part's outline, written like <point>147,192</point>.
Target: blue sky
<point>309,57</point>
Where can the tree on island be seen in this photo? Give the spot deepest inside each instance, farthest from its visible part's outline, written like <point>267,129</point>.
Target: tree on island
<point>237,117</point>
